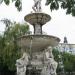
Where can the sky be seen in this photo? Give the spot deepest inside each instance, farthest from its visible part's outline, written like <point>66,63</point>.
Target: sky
<point>60,25</point>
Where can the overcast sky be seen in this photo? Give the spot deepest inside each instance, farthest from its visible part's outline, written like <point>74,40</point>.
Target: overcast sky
<point>60,25</point>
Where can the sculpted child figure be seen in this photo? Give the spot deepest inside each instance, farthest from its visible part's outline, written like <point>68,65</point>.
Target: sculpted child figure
<point>37,6</point>
<point>51,64</point>
<point>21,64</point>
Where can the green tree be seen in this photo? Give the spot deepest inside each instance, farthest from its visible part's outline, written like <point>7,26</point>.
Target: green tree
<point>55,53</point>
<point>69,5</point>
<point>18,3</point>
<point>9,51</point>
<point>68,60</point>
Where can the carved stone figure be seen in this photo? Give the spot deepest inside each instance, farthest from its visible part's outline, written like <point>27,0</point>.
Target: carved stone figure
<point>21,64</point>
<point>37,6</point>
<point>51,64</point>
<point>45,71</point>
<point>49,53</point>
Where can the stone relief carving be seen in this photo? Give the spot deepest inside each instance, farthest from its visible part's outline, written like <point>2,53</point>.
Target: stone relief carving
<point>51,64</point>
<point>49,67</point>
<point>21,64</point>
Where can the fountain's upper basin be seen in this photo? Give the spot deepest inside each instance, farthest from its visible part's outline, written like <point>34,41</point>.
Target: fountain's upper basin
<point>37,42</point>
<point>37,18</point>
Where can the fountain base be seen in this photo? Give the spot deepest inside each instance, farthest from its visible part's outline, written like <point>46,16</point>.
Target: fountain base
<point>41,63</point>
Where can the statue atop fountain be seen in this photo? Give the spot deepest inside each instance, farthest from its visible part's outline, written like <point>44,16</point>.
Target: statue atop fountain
<point>37,6</point>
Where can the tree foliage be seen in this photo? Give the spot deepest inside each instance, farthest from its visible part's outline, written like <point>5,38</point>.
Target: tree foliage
<point>68,60</point>
<point>69,5</point>
<point>18,3</point>
<point>9,50</point>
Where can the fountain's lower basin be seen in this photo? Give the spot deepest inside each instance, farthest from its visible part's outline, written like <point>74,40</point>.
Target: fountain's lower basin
<point>37,43</point>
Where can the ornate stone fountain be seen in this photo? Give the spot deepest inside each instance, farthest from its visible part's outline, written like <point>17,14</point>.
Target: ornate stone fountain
<point>37,56</point>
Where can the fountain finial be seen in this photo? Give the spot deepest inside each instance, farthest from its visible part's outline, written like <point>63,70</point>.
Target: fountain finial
<point>37,6</point>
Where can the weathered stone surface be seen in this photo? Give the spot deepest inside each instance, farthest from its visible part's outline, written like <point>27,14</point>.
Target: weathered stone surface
<point>37,42</point>
<point>42,62</point>
<point>37,18</point>
<point>21,64</point>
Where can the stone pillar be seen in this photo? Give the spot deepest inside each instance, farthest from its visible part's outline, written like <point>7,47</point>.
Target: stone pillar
<point>37,29</point>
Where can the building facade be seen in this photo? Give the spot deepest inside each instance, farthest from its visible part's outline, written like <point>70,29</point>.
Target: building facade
<point>66,47</point>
